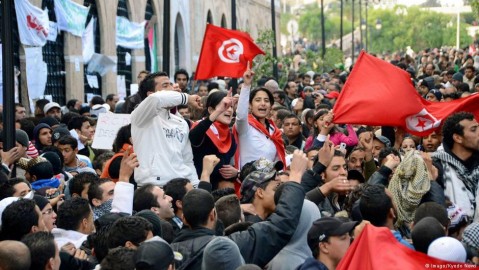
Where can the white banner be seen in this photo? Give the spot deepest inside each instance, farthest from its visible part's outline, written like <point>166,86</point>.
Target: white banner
<point>36,72</point>
<point>130,35</point>
<point>71,17</point>
<point>107,127</point>
<point>88,40</point>
<point>33,23</point>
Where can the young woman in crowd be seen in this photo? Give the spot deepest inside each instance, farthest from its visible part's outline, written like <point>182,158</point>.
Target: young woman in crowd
<point>323,126</point>
<point>257,135</point>
<point>212,136</point>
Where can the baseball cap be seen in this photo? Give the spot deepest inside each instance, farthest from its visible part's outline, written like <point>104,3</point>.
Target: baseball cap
<point>51,105</point>
<point>262,164</point>
<point>383,139</point>
<point>326,227</point>
<point>332,95</point>
<point>58,133</point>
<point>252,181</point>
<point>155,255</point>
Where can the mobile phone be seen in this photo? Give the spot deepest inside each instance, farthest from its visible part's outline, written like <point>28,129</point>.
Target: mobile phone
<point>342,146</point>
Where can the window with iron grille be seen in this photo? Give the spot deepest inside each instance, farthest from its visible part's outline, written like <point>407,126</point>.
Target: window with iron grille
<point>122,68</point>
<point>54,57</point>
<point>93,14</point>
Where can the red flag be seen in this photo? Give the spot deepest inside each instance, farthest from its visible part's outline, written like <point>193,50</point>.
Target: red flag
<point>380,94</point>
<point>377,248</point>
<point>225,53</point>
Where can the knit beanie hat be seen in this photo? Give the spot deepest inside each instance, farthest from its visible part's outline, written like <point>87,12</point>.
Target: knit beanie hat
<point>21,137</point>
<point>457,76</point>
<point>153,219</point>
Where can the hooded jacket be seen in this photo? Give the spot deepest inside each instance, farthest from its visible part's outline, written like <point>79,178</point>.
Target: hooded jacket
<point>261,242</point>
<point>297,250</point>
<point>221,253</point>
<point>161,140</point>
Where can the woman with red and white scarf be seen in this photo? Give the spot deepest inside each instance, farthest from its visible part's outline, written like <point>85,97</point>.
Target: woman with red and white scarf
<point>257,135</point>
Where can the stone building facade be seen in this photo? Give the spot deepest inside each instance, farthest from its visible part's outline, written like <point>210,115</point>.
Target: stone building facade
<point>188,20</point>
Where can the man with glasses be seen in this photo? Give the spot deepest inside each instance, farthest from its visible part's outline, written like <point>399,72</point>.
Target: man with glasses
<point>160,134</point>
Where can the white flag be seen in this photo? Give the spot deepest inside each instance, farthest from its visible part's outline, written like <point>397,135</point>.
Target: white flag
<point>88,40</point>
<point>36,72</point>
<point>130,35</point>
<point>71,17</point>
<point>33,23</point>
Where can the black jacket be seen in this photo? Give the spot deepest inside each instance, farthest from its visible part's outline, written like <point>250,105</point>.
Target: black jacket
<point>260,243</point>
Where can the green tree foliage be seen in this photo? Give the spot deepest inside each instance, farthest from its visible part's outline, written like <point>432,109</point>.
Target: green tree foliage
<point>401,26</point>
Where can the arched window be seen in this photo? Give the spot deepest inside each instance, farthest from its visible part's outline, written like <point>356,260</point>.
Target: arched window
<point>180,46</point>
<point>223,21</point>
<point>209,17</point>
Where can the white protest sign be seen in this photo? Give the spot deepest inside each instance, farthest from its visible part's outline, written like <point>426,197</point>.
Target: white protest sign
<point>107,127</point>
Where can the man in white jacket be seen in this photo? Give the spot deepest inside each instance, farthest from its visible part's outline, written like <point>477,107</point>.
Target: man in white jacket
<point>160,134</point>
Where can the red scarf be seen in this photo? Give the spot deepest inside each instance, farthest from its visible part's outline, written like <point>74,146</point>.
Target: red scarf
<point>276,137</point>
<point>223,140</point>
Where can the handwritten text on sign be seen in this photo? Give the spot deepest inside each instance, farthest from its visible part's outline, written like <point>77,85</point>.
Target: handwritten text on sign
<point>107,127</point>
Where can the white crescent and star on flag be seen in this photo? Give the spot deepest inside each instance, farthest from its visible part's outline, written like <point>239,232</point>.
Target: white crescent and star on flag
<point>230,51</point>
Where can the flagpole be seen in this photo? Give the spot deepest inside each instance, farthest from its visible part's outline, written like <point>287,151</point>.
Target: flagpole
<point>166,36</point>
<point>234,81</point>
<point>275,54</point>
<point>8,75</point>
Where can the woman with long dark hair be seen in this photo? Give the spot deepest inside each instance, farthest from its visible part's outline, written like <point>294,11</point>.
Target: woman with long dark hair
<point>212,136</point>
<point>257,135</point>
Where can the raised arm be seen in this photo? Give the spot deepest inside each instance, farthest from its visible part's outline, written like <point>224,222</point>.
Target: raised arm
<point>243,103</point>
<point>154,103</point>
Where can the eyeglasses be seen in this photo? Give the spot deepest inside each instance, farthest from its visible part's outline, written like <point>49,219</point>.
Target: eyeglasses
<point>48,212</point>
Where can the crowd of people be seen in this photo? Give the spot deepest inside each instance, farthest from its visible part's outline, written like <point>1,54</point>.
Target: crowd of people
<point>239,174</point>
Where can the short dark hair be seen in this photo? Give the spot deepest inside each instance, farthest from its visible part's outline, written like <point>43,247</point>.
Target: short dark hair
<point>95,191</point>
<point>68,116</point>
<point>386,151</point>
<point>133,228</point>
<point>432,209</point>
<point>68,140</point>
<point>42,247</point>
<point>72,212</point>
<point>280,94</point>
<point>176,189</point>
<point>375,205</point>
<point>182,71</point>
<point>228,209</point>
<point>7,189</point>
<point>27,125</point>
<point>144,198</point>
<point>78,182</point>
<point>451,126</point>
<point>18,219</point>
<point>110,97</point>
<point>292,115</point>
<point>259,89</point>
<point>101,159</point>
<point>77,121</point>
<point>97,100</point>
<point>221,192</point>
<point>122,136</point>
<point>149,84</point>
<point>425,232</point>
<point>42,170</point>
<point>120,258</point>
<point>237,227</point>
<point>197,205</point>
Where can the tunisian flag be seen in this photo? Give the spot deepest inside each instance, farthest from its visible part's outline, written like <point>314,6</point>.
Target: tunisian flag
<point>225,53</point>
<point>378,93</point>
<point>377,248</point>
